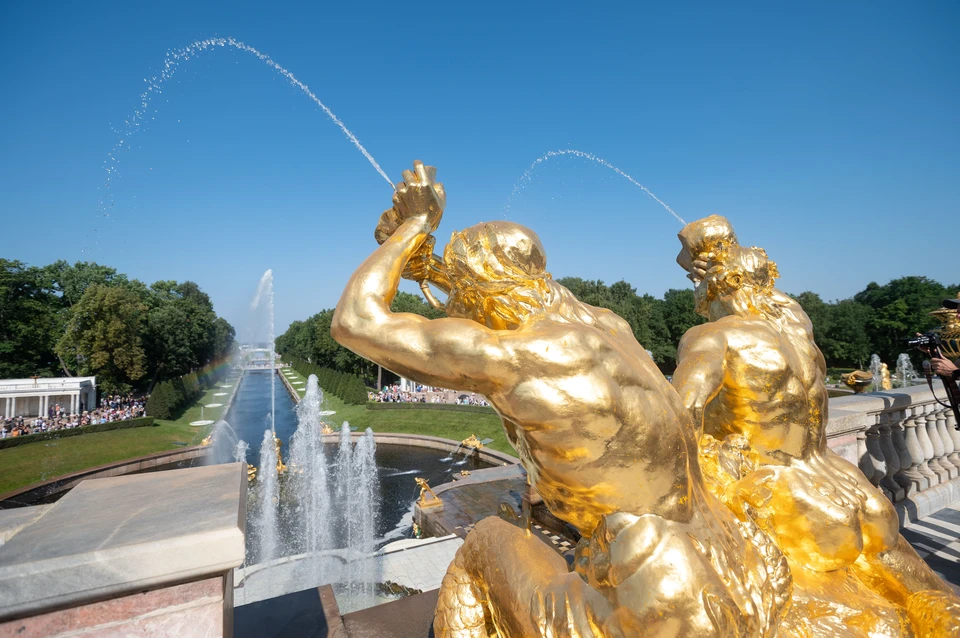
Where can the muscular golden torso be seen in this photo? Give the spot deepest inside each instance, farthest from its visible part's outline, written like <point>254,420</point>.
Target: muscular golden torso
<point>773,389</point>
<point>598,416</point>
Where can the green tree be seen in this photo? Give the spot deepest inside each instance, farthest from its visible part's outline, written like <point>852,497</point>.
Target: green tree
<point>103,337</point>
<point>679,313</point>
<point>29,323</point>
<point>405,302</point>
<point>898,309</point>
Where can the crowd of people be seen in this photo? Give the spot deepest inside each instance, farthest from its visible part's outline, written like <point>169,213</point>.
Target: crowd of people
<point>425,394</point>
<point>112,408</point>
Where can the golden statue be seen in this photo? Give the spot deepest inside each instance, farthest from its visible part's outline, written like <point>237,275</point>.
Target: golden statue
<point>885,382</point>
<point>281,468</point>
<point>713,511</point>
<point>604,438</point>
<point>471,441</point>
<point>423,501</point>
<point>858,380</point>
<point>949,331</point>
<point>753,381</point>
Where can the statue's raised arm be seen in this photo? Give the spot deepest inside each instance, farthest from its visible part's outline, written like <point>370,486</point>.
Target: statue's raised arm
<point>441,352</point>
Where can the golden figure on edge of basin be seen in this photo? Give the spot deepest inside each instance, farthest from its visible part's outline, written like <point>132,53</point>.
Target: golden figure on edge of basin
<point>606,441</point>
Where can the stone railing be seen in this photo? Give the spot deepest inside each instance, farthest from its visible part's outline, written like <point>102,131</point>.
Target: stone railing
<point>904,442</point>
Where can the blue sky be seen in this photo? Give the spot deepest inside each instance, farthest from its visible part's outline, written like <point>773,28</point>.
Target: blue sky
<point>827,132</point>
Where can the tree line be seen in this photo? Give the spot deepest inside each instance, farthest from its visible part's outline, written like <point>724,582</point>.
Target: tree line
<point>877,320</point>
<point>87,319</point>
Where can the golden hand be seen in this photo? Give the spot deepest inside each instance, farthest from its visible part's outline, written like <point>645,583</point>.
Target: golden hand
<point>419,194</point>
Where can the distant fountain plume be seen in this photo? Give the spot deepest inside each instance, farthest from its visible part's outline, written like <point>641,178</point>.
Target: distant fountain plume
<point>265,296</point>
<point>145,111</point>
<point>309,465</point>
<point>905,371</point>
<point>875,366</point>
<point>528,174</point>
<point>268,500</point>
<point>240,452</point>
<point>223,442</point>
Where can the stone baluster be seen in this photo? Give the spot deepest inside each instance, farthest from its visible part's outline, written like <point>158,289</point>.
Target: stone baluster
<point>948,449</point>
<point>864,462</point>
<point>934,462</point>
<point>924,438</point>
<point>915,480</point>
<point>890,456</point>
<point>954,434</point>
<point>897,434</point>
<point>875,457</point>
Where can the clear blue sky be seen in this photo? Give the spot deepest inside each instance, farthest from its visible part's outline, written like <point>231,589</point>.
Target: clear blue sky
<point>827,132</point>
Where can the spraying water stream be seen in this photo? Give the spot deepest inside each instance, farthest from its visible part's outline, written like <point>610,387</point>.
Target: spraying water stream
<point>146,112</point>
<point>528,174</point>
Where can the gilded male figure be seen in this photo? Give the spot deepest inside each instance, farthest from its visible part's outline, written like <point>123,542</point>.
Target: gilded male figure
<point>753,381</point>
<point>604,439</point>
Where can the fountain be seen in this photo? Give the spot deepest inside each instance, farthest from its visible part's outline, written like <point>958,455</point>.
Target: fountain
<point>361,523</point>
<point>203,421</point>
<point>268,499</point>
<point>875,372</point>
<point>309,480</point>
<point>905,373</point>
<point>265,296</point>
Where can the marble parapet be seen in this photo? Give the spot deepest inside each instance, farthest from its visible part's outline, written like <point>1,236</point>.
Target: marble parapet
<point>115,536</point>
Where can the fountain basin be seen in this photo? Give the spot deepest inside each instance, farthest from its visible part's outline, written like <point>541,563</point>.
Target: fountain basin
<point>201,423</point>
<point>213,405</point>
<point>220,394</point>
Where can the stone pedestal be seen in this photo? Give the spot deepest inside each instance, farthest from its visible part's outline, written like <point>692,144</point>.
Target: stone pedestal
<point>141,555</point>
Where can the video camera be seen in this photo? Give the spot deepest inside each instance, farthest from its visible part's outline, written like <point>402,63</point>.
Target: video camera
<point>930,340</point>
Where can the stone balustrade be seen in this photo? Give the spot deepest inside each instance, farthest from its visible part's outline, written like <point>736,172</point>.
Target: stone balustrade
<point>904,442</point>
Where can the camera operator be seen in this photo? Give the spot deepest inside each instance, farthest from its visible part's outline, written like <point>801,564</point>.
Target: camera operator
<point>940,366</point>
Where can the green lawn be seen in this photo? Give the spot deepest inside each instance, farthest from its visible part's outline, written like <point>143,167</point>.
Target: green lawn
<point>449,425</point>
<point>27,464</point>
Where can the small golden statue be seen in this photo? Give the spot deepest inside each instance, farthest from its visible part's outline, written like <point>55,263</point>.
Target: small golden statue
<point>325,429</point>
<point>281,468</point>
<point>205,442</point>
<point>885,382</point>
<point>471,441</point>
<point>707,508</point>
<point>423,501</point>
<point>859,380</point>
<point>251,473</point>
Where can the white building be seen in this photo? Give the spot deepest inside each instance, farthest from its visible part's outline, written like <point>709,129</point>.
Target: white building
<point>34,397</point>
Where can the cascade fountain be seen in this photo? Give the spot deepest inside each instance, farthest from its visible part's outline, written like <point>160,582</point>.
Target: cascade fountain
<point>265,296</point>
<point>905,372</point>
<point>875,365</point>
<point>268,501</point>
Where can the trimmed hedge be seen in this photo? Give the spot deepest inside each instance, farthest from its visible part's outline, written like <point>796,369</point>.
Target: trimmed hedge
<point>343,385</point>
<point>453,407</point>
<point>14,441</point>
<point>170,397</point>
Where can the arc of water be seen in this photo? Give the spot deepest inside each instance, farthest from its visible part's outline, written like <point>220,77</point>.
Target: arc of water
<point>171,63</point>
<point>528,174</point>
